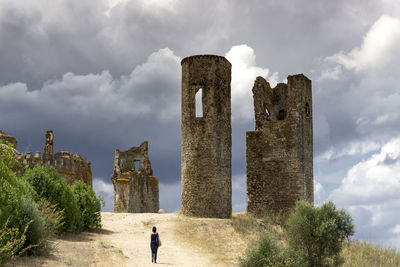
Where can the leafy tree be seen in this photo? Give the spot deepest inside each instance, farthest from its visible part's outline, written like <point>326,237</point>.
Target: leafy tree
<point>316,234</point>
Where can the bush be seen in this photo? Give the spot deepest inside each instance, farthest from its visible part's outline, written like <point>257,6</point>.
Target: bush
<point>11,241</point>
<point>265,252</point>
<point>15,217</point>
<point>89,204</point>
<point>48,184</point>
<point>12,188</point>
<point>36,234</point>
<point>316,234</point>
<point>54,217</point>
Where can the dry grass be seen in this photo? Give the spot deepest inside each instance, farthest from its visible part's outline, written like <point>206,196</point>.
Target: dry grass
<point>363,254</point>
<point>148,223</point>
<point>215,237</point>
<point>250,227</point>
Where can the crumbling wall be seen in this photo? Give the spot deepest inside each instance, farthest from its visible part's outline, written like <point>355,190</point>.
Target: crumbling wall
<point>70,166</point>
<point>5,138</point>
<point>279,153</point>
<point>206,140</point>
<point>135,189</point>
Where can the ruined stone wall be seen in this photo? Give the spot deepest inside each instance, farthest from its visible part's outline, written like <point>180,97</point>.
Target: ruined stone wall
<point>135,189</point>
<point>5,138</point>
<point>206,141</point>
<point>279,153</point>
<point>70,166</point>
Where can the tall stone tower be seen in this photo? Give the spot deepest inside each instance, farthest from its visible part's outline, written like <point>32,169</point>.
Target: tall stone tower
<point>280,151</point>
<point>206,137</point>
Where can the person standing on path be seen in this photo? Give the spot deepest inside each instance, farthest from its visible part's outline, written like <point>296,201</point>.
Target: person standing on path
<point>155,242</point>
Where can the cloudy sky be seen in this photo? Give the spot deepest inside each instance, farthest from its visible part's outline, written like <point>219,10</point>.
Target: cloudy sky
<point>106,74</point>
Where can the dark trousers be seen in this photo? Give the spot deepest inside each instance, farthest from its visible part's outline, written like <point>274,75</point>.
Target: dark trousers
<point>154,249</point>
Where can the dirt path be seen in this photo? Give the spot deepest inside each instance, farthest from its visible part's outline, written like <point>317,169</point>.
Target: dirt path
<point>124,241</point>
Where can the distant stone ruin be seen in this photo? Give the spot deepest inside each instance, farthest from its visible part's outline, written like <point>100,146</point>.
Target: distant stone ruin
<point>8,139</point>
<point>135,189</point>
<point>279,152</point>
<point>70,166</point>
<point>206,137</point>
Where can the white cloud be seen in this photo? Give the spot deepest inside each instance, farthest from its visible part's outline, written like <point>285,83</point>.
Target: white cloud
<point>333,74</point>
<point>106,190</point>
<point>244,73</point>
<point>319,192</point>
<point>370,192</point>
<point>378,47</point>
<point>355,148</point>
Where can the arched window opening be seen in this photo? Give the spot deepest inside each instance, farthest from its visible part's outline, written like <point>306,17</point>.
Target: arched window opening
<point>281,115</point>
<point>199,103</point>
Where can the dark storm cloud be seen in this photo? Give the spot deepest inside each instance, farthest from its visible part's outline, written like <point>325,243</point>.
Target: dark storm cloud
<point>42,40</point>
<point>95,113</point>
<point>106,78</point>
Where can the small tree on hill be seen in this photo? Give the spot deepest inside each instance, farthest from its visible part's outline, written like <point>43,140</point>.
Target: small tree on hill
<point>316,234</point>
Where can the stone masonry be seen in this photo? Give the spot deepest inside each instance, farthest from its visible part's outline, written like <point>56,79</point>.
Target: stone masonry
<point>5,138</point>
<point>280,151</point>
<point>135,189</point>
<point>70,166</point>
<point>206,140</point>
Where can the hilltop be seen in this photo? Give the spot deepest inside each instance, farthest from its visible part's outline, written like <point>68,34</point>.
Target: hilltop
<point>186,241</point>
<point>124,241</point>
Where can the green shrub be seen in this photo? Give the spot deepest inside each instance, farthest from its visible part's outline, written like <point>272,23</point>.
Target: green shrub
<point>11,241</point>
<point>316,234</point>
<point>36,234</point>
<point>12,188</point>
<point>265,252</point>
<point>89,204</point>
<point>54,217</point>
<point>48,184</point>
<point>13,192</point>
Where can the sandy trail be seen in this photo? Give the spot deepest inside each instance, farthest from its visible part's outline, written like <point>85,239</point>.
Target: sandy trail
<point>131,234</point>
<point>124,240</point>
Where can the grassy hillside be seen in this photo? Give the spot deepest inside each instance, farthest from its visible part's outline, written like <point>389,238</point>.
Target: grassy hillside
<point>227,240</point>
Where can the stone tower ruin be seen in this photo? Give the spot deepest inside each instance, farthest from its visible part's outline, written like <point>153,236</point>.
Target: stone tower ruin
<point>279,153</point>
<point>206,137</point>
<point>135,189</point>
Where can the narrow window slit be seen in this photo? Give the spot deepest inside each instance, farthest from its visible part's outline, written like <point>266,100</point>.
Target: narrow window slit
<point>199,103</point>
